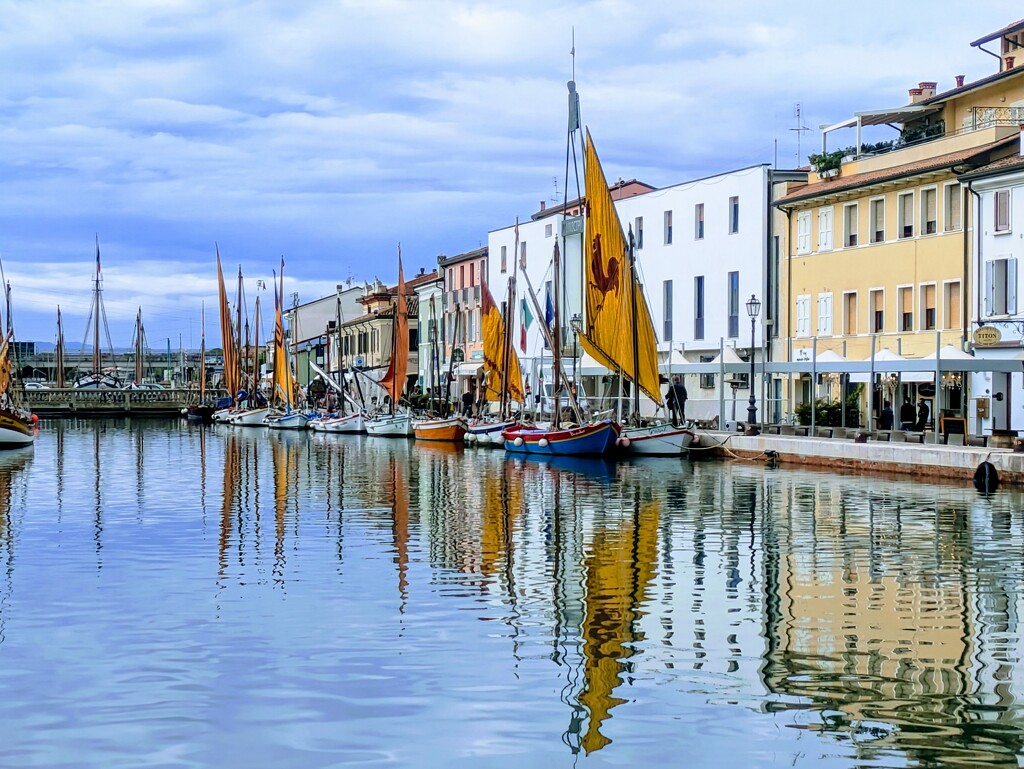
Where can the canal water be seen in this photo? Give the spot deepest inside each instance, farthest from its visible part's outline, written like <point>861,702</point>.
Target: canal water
<point>173,596</point>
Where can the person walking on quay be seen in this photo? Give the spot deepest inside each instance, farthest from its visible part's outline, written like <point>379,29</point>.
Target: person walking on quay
<point>908,415</point>
<point>922,415</point>
<point>676,400</point>
<point>467,402</point>
<point>885,421</point>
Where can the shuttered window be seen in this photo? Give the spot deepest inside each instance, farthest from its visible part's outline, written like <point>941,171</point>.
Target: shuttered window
<point>951,218</point>
<point>877,223</point>
<point>906,217</point>
<point>825,229</point>
<point>803,232</point>
<point>906,308</point>
<point>929,212</point>
<point>1002,222</point>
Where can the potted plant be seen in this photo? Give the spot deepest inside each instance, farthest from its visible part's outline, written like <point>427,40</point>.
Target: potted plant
<point>827,163</point>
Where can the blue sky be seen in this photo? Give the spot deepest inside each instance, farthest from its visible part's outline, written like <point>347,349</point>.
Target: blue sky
<point>327,132</point>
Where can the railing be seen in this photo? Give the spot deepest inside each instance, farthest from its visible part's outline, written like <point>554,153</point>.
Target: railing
<point>71,400</point>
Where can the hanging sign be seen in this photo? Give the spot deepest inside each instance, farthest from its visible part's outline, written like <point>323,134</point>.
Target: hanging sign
<point>987,336</point>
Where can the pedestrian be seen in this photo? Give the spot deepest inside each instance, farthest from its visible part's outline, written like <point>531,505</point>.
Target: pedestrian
<point>676,400</point>
<point>467,402</point>
<point>922,414</point>
<point>885,421</point>
<point>908,415</point>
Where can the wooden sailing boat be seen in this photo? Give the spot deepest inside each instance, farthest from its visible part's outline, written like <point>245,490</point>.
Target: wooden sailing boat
<point>17,422</point>
<point>256,412</point>
<point>395,423</point>
<point>281,416</point>
<point>619,332</point>
<point>202,411</point>
<point>339,422</point>
<point>97,378</point>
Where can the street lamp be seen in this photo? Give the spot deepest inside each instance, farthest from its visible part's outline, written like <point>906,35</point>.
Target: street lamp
<point>753,310</point>
<point>577,321</point>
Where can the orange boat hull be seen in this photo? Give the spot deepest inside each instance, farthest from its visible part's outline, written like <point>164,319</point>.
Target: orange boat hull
<point>448,430</point>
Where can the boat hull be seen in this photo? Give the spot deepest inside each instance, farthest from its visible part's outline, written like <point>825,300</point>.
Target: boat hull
<point>447,430</point>
<point>250,418</point>
<point>293,421</point>
<point>588,440</point>
<point>16,430</point>
<point>488,434</point>
<point>655,441</point>
<point>353,423</point>
<point>397,426</point>
<point>200,414</point>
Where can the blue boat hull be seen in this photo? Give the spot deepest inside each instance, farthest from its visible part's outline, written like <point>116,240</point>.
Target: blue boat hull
<point>588,440</point>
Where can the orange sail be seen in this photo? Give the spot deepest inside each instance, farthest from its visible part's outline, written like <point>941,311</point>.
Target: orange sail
<point>394,379</point>
<point>496,350</point>
<point>227,338</point>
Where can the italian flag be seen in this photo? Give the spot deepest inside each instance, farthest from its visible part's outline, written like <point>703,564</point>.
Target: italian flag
<point>527,320</point>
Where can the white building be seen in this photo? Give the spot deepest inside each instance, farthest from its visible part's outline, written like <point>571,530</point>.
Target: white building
<point>704,247</point>
<point>430,321</point>
<point>997,398</point>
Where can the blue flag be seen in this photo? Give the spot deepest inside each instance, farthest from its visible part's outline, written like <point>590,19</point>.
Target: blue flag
<point>549,312</point>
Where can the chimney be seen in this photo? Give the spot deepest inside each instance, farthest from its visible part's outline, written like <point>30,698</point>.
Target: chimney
<point>915,95</point>
<point>543,205</point>
<point>927,89</point>
<point>960,81</point>
<point>1009,62</point>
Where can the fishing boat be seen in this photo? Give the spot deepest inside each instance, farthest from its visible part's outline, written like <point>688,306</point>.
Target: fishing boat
<point>348,423</point>
<point>17,422</point>
<point>201,411</point>
<point>395,423</point>
<point>281,415</point>
<point>451,429</point>
<point>584,440</point>
<point>485,433</point>
<point>618,331</point>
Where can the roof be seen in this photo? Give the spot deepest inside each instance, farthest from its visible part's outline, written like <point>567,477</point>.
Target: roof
<point>1003,165</point>
<point>824,187</point>
<point>474,254</point>
<point>1007,30</point>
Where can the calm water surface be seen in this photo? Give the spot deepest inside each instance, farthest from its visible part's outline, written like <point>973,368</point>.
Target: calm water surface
<point>185,597</point>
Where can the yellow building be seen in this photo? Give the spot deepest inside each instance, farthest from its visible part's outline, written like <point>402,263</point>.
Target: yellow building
<point>879,244</point>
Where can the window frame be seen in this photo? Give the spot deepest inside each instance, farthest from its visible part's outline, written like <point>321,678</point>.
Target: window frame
<point>947,304</point>
<point>856,314</point>
<point>901,225</point>
<point>823,213</point>
<point>668,227</point>
<point>734,214</point>
<point>847,241</point>
<point>876,203</point>
<point>698,221</point>
<point>803,325</point>
<point>947,189</point>
<point>876,328</point>
<point>826,329</point>
<point>923,209</point>
<point>1007,226</point>
<point>922,292</point>
<point>803,217</point>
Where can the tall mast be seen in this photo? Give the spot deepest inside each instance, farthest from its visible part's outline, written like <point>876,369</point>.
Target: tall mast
<point>60,352</point>
<point>202,354</point>
<point>97,362</point>
<point>636,352</point>
<point>556,340</point>
<point>256,352</point>
<point>139,373</point>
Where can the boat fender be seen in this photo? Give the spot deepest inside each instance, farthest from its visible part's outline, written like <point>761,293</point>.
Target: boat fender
<point>518,441</point>
<point>986,479</point>
<point>543,443</point>
<point>624,442</point>
<point>35,419</point>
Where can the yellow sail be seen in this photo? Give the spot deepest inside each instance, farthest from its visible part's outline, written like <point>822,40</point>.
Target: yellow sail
<point>283,384</point>
<point>5,364</point>
<point>495,343</point>
<point>227,338</point>
<point>394,379</point>
<point>616,589</point>
<point>609,330</point>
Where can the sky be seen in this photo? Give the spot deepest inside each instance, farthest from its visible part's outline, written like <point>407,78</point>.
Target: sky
<point>327,132</point>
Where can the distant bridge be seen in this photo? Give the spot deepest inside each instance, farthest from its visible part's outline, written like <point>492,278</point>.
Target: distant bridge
<point>69,402</point>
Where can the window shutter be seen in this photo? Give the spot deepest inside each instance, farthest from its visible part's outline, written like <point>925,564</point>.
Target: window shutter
<point>1011,286</point>
<point>989,286</point>
<point>1002,210</point>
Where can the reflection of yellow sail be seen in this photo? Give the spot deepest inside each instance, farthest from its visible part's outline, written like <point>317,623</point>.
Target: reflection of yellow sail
<point>611,287</point>
<point>232,476</point>
<point>285,461</point>
<point>618,568</point>
<point>227,338</point>
<point>502,503</point>
<point>496,345</point>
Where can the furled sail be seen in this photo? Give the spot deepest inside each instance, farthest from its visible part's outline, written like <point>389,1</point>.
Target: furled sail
<point>498,349</point>
<point>227,338</point>
<point>394,379</point>
<point>609,328</point>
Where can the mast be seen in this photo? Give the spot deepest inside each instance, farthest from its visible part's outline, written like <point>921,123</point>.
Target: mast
<point>202,354</point>
<point>139,372</point>
<point>59,379</point>
<point>636,340</point>
<point>256,354</point>
<point>556,346</point>
<point>97,360</point>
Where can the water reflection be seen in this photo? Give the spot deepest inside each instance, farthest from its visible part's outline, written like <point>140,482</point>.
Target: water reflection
<point>447,602</point>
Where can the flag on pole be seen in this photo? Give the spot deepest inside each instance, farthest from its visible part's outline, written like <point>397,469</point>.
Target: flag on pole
<point>549,312</point>
<point>527,321</point>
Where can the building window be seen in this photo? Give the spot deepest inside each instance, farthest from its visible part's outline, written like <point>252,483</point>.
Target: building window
<point>803,232</point>
<point>905,296</point>
<point>698,222</point>
<point>850,225</point>
<point>451,278</point>
<point>803,316</point>
<point>1002,211</point>
<point>825,229</point>
<point>504,259</point>
<point>522,255</point>
<point>734,305</point>
<point>547,230</point>
<point>472,273</point>
<point>951,207</point>
<point>876,213</point>
<point>462,276</point>
<point>668,228</point>
<point>876,303</point>
<point>929,212</point>
<point>698,307</point>
<point>850,313</point>
<point>928,320</point>
<point>639,232</point>
<point>667,320</point>
<point>734,214</point>
<point>1001,287</point>
<point>707,381</point>
<point>906,215</point>
<point>951,304</point>
<point>825,314</point>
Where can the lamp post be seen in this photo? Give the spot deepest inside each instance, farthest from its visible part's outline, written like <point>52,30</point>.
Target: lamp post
<point>577,319</point>
<point>753,310</point>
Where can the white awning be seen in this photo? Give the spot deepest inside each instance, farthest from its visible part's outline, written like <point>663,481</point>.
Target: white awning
<point>882,360</point>
<point>590,367</point>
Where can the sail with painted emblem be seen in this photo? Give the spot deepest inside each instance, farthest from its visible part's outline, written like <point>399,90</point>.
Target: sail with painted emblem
<point>497,350</point>
<point>613,296</point>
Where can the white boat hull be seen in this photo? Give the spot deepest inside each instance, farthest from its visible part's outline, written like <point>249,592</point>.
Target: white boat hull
<point>293,421</point>
<point>656,440</point>
<point>353,423</point>
<point>488,434</point>
<point>397,426</point>
<point>15,430</point>
<point>250,418</point>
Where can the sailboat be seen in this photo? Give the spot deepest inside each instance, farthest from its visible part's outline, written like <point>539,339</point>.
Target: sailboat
<point>281,416</point>
<point>17,423</point>
<point>503,375</point>
<point>340,422</point>
<point>97,378</point>
<point>437,426</point>
<point>395,423</point>
<point>201,411</point>
<point>619,332</point>
<point>256,412</point>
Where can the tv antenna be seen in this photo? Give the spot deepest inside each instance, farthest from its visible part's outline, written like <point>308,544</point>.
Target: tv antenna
<point>800,128</point>
<point>554,180</point>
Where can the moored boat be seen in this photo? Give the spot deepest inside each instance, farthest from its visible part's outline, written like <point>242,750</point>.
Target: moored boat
<point>489,433</point>
<point>451,429</point>
<point>348,423</point>
<point>659,440</point>
<point>17,425</point>
<point>250,417</point>
<point>590,439</point>
<point>390,426</point>
<point>288,420</point>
